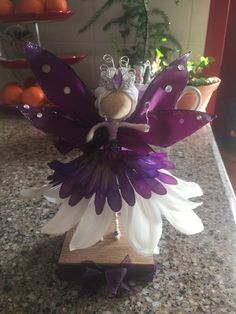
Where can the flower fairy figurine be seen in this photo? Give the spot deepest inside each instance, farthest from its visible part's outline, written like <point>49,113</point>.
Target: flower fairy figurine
<point>118,174</point>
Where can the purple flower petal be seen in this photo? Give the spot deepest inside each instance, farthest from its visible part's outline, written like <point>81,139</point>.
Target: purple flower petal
<point>140,186</point>
<point>66,188</point>
<point>114,200</point>
<point>100,200</point>
<point>156,186</point>
<point>94,184</point>
<point>113,195</point>
<point>126,188</point>
<point>166,178</point>
<point>168,165</point>
<point>76,197</point>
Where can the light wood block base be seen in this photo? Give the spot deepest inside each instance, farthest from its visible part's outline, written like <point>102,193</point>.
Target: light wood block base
<point>107,253</point>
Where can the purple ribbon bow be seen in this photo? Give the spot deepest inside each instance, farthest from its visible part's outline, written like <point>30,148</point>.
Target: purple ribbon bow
<point>115,277</point>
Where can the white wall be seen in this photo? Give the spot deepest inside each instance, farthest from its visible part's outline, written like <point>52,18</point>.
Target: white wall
<point>188,24</point>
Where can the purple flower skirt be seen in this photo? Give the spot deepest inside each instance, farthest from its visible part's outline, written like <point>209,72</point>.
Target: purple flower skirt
<point>111,174</point>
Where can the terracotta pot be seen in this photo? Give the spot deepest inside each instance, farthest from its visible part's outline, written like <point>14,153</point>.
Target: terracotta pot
<point>188,100</point>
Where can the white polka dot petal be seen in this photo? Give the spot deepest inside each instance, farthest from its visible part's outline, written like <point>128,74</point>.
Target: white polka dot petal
<point>39,115</point>
<point>46,68</point>
<point>168,89</point>
<point>26,106</point>
<point>181,67</point>
<point>199,117</point>
<point>67,90</point>
<point>181,121</point>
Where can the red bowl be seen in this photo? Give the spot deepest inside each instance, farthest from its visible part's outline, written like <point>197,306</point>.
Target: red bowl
<point>46,16</point>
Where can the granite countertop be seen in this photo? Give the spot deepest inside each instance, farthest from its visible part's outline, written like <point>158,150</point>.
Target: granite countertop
<point>195,274</point>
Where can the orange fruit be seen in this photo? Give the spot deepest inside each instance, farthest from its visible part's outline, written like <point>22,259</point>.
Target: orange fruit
<point>43,2</point>
<point>33,96</point>
<point>11,94</point>
<point>56,5</point>
<point>32,6</point>
<point>6,7</point>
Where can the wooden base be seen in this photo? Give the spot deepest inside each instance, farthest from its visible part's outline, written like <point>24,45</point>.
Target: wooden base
<point>107,253</point>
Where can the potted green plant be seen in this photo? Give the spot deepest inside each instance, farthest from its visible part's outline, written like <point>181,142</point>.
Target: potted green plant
<point>205,85</point>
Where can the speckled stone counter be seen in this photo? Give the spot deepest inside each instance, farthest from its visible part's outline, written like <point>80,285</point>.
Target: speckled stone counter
<point>195,274</point>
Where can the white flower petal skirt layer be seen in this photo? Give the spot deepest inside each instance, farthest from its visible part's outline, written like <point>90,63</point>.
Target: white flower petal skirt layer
<point>142,222</point>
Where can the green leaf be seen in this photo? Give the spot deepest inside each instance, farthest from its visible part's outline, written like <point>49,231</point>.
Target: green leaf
<point>164,39</point>
<point>159,54</point>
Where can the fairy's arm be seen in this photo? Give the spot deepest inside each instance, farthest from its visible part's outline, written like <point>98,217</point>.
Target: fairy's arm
<point>140,127</point>
<point>93,130</point>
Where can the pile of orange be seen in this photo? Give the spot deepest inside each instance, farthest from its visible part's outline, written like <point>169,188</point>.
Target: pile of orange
<point>32,6</point>
<point>15,94</point>
<point>6,7</point>
<point>11,94</point>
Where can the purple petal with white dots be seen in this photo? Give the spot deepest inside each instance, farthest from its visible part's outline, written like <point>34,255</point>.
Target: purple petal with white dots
<point>164,90</point>
<point>62,85</point>
<point>168,127</point>
<point>55,123</point>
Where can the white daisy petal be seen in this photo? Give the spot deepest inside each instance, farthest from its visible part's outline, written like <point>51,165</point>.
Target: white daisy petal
<point>143,225</point>
<point>35,192</point>
<point>174,200</point>
<point>185,189</point>
<point>92,227</point>
<point>66,217</point>
<point>52,195</point>
<point>185,221</point>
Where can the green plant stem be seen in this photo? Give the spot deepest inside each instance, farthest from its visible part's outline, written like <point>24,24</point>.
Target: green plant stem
<point>99,13</point>
<point>146,31</point>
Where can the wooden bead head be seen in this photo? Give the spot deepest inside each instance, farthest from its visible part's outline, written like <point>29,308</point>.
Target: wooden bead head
<point>117,105</point>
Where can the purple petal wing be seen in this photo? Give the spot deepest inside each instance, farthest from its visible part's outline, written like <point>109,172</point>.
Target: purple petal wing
<point>61,85</point>
<point>164,91</point>
<point>168,127</point>
<point>54,123</point>
<point>70,133</point>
